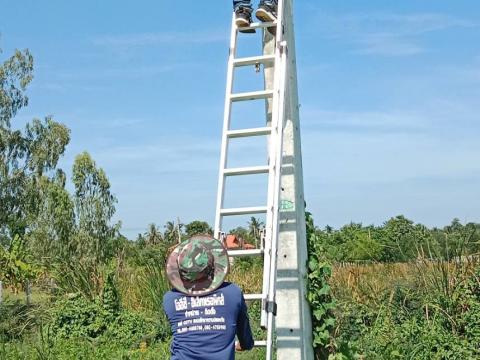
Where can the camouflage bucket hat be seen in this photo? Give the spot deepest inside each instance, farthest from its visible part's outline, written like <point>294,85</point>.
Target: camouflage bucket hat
<point>198,265</point>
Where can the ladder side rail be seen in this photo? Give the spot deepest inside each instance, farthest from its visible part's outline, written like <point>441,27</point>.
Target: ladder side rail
<point>278,116</point>
<point>276,210</point>
<point>269,49</point>
<point>275,142</point>
<point>226,127</point>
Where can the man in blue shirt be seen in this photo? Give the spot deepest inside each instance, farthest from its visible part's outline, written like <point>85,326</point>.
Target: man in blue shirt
<point>204,311</point>
<point>266,12</point>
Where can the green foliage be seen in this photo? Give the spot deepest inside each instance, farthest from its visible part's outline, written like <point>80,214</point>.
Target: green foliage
<point>198,227</point>
<point>129,329</point>
<point>34,205</point>
<point>319,294</point>
<point>26,157</point>
<point>78,317</point>
<point>417,320</point>
<point>87,239</point>
<point>94,206</point>
<point>15,75</point>
<point>79,276</point>
<point>80,349</point>
<point>15,268</point>
<point>102,320</point>
<point>173,233</point>
<point>398,240</point>
<point>18,320</point>
<point>46,144</point>
<point>153,236</point>
<point>153,286</point>
<point>320,301</point>
<point>111,297</point>
<point>150,255</point>
<point>255,228</point>
<point>53,228</point>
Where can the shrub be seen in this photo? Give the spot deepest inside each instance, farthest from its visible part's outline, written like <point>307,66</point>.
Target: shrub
<point>78,317</point>
<point>129,329</point>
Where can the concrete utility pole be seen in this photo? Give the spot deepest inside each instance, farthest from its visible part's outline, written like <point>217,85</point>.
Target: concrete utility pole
<point>293,320</point>
<point>285,312</point>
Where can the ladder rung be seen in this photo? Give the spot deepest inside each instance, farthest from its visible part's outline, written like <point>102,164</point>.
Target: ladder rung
<point>249,132</point>
<point>253,95</point>
<point>258,25</point>
<point>260,343</point>
<point>252,252</point>
<point>244,211</point>
<point>251,170</point>
<point>253,296</point>
<point>264,59</point>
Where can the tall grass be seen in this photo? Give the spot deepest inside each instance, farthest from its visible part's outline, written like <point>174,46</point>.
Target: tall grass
<point>247,274</point>
<point>409,309</point>
<point>142,288</point>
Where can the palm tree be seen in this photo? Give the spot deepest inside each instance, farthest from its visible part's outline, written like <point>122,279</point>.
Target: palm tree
<point>255,227</point>
<point>153,236</point>
<point>172,232</point>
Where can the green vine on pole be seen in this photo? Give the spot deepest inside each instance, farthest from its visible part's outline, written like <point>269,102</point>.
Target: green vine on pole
<point>319,294</point>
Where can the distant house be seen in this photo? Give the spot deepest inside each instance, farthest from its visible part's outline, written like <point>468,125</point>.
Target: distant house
<point>235,243</point>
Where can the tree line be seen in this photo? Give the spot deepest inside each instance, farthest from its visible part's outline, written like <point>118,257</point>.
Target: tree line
<point>397,240</point>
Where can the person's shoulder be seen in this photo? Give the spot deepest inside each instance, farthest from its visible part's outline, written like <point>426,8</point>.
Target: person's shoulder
<point>231,288</point>
<point>169,299</point>
<point>170,295</point>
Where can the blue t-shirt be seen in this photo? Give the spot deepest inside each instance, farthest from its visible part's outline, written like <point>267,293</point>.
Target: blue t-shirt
<point>204,327</point>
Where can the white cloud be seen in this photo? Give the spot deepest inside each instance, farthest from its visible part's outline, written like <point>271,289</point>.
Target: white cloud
<point>385,33</point>
<point>400,24</point>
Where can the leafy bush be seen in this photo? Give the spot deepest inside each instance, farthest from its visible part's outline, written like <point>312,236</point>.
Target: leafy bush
<point>129,329</point>
<point>103,320</point>
<point>110,297</point>
<point>78,317</point>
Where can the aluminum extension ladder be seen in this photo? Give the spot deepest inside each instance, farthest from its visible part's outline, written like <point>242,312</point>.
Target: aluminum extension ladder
<point>274,131</point>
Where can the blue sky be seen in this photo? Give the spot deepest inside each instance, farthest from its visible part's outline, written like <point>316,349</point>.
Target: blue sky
<point>389,91</point>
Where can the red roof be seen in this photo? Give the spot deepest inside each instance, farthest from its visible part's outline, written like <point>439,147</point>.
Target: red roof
<point>234,242</point>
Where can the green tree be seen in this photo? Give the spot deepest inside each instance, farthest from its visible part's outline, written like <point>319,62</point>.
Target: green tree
<point>402,240</point>
<point>458,239</point>
<point>255,228</point>
<point>198,227</point>
<point>95,240</point>
<point>28,158</point>
<point>51,231</point>
<point>240,232</point>
<point>361,245</point>
<point>153,236</point>
<point>140,240</point>
<point>171,233</point>
<point>15,75</point>
<point>94,209</point>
